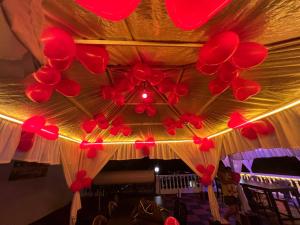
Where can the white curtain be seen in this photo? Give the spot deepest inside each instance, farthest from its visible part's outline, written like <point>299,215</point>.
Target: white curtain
<point>10,134</point>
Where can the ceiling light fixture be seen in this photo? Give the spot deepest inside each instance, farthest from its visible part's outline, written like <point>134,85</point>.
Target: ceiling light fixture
<point>290,105</point>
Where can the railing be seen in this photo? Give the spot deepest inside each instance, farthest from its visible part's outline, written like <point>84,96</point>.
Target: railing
<point>178,183</point>
<point>293,181</point>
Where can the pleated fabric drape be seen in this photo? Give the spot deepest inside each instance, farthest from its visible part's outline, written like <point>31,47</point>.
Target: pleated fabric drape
<point>10,134</point>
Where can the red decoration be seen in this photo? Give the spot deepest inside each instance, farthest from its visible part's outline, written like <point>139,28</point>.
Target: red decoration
<point>217,87</point>
<point>114,10</point>
<point>89,125</point>
<point>92,148</point>
<point>59,48</point>
<point>219,48</point>
<point>36,124</point>
<point>243,89</point>
<point>206,172</point>
<point>145,145</point>
<point>196,121</point>
<point>227,72</point>
<point>206,70</point>
<point>39,92</point>
<point>166,85</point>
<point>68,88</point>
<point>82,181</point>
<point>141,71</point>
<point>191,14</point>
<point>170,124</point>
<point>93,57</point>
<point>249,132</point>
<point>102,121</point>
<point>205,144</point>
<point>249,54</point>
<point>118,126</point>
<point>47,75</point>
<point>26,141</point>
<point>156,77</point>
<point>171,221</point>
<point>236,120</point>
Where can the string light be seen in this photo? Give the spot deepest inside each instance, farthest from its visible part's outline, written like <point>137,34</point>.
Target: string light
<point>8,118</point>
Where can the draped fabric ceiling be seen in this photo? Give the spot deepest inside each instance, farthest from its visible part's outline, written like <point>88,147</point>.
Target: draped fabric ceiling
<point>272,23</point>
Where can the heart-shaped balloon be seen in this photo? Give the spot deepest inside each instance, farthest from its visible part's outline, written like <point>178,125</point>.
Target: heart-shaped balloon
<point>151,110</point>
<point>47,75</point>
<point>191,14</point>
<point>81,174</point>
<point>114,10</point>
<point>217,87</point>
<point>141,71</point>
<point>68,88</point>
<point>76,186</point>
<point>206,180</point>
<point>206,70</point>
<point>91,153</point>
<point>34,124</point>
<point>236,120</point>
<point>171,131</point>
<point>126,131</point>
<point>182,89</point>
<point>39,92</point>
<point>249,54</point>
<point>173,98</point>
<point>26,141</point>
<point>171,221</point>
<point>49,132</point>
<point>263,127</point>
<point>140,108</point>
<point>86,182</point>
<point>219,48</point>
<point>249,132</point>
<point>227,72</point>
<point>156,77</point>
<point>206,145</point>
<point>197,140</point>
<point>60,64</point>
<point>93,57</point>
<point>244,89</point>
<point>166,86</point>
<point>89,125</point>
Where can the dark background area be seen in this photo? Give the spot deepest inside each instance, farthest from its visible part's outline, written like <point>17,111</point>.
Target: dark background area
<point>278,165</point>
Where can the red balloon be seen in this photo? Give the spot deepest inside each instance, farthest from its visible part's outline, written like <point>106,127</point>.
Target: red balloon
<point>173,98</point>
<point>263,127</point>
<point>219,48</point>
<point>68,88</point>
<point>80,174</point>
<point>151,110</point>
<point>141,71</point>
<point>227,72</point>
<point>49,132</point>
<point>126,131</point>
<point>166,85</point>
<point>249,54</point>
<point>206,145</point>
<point>89,125</point>
<point>217,87</point>
<point>118,121</point>
<point>244,89</point>
<point>47,75</point>
<point>197,140</point>
<point>206,180</point>
<point>171,131</point>
<point>182,89</point>
<point>140,108</point>
<point>39,92</point>
<point>210,169</point>
<point>86,182</point>
<point>102,121</point>
<point>236,120</point>
<point>114,130</point>
<point>171,221</point>
<point>76,186</point>
<point>249,132</point>
<point>107,92</point>
<point>191,14</point>
<point>114,10</point>
<point>59,47</point>
<point>93,57</point>
<point>26,141</point>
<point>34,124</point>
<point>91,153</point>
<point>156,77</point>
<point>206,70</point>
<point>201,168</point>
<point>119,100</point>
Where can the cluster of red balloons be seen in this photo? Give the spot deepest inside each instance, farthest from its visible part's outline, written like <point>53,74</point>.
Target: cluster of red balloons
<point>146,106</point>
<point>171,221</point>
<point>119,127</point>
<point>250,130</point>
<point>82,181</point>
<point>206,172</point>
<point>36,125</point>
<point>205,144</point>
<point>171,124</point>
<point>92,147</point>
<point>173,90</point>
<point>225,57</point>
<point>60,51</point>
<point>145,145</point>
<point>187,15</point>
<point>89,125</point>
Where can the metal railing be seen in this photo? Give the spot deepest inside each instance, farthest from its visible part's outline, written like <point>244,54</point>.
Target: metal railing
<point>178,183</point>
<point>293,181</point>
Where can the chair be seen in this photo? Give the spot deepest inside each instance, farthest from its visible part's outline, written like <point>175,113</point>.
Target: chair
<point>100,220</point>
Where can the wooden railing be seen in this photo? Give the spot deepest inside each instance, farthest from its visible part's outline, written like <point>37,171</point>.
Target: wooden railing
<point>293,181</point>
<point>178,183</point>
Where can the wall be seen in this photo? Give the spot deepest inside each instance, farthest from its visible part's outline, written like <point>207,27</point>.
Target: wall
<point>25,201</point>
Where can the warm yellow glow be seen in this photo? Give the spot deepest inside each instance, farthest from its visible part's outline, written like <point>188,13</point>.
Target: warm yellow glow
<point>167,141</point>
